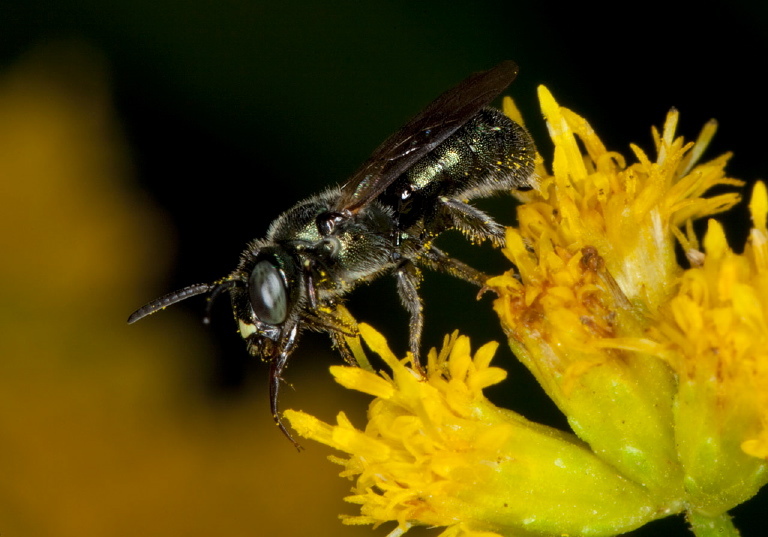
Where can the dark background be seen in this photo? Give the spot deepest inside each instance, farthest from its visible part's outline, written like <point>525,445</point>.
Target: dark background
<point>235,110</point>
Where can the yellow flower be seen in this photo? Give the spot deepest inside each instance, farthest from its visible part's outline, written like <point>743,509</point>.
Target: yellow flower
<point>437,452</point>
<point>715,332</point>
<point>596,256</point>
<point>661,370</point>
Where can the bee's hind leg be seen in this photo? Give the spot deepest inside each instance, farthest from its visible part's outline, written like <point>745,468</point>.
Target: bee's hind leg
<point>438,260</point>
<point>408,279</point>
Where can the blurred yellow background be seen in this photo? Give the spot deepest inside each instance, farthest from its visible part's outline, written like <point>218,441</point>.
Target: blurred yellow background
<point>98,433</point>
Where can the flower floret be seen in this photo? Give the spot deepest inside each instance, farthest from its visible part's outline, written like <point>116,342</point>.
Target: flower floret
<point>436,452</point>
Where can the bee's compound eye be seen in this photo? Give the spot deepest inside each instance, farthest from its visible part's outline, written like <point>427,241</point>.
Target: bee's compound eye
<point>268,294</point>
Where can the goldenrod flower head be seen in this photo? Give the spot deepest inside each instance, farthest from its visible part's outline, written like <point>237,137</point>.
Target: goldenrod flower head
<point>661,370</point>
<point>437,452</point>
<point>715,336</point>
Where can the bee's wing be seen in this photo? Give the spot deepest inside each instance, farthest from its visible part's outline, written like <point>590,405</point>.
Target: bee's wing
<point>444,116</point>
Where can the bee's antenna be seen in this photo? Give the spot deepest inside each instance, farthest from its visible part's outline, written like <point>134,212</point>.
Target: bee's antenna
<point>170,299</point>
<point>219,288</point>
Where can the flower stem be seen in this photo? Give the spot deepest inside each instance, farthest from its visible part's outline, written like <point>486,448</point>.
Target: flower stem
<point>712,526</point>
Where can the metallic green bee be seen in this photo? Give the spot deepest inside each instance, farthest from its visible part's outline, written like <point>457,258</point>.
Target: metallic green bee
<point>415,186</point>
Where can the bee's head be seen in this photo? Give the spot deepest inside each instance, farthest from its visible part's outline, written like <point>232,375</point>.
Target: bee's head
<point>265,298</point>
<point>264,290</point>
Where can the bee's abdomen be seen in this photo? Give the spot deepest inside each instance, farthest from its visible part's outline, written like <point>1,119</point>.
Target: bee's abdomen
<point>489,154</point>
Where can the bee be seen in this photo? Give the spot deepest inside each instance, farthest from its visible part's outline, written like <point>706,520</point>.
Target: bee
<point>384,219</point>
